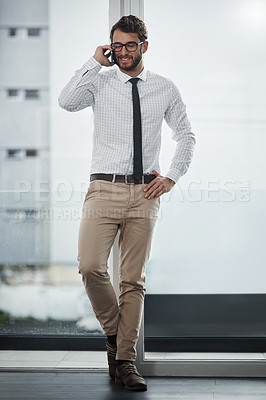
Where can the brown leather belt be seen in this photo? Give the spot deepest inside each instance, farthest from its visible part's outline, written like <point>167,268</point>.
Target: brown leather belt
<point>128,179</point>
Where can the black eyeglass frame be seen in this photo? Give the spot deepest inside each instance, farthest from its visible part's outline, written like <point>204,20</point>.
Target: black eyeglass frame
<point>126,44</point>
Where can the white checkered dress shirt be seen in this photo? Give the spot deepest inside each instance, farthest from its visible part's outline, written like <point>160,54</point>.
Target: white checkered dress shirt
<point>110,95</point>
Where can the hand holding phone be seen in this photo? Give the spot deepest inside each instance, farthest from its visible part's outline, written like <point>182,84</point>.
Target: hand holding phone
<point>102,57</point>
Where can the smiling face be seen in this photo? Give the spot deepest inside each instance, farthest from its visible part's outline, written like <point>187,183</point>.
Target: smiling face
<point>129,62</point>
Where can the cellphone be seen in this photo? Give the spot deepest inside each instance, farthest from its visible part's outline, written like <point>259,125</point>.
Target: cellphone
<point>112,57</point>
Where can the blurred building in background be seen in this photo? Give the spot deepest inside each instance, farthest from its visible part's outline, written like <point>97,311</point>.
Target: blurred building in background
<point>43,153</point>
<point>24,131</point>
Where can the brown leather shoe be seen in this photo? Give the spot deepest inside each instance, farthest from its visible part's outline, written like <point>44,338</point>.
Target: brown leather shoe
<point>111,357</point>
<point>127,374</point>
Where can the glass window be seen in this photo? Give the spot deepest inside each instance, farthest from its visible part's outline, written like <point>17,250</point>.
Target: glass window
<point>32,94</point>
<point>34,32</point>
<point>209,237</point>
<point>41,196</point>
<point>15,153</point>
<point>12,92</point>
<point>12,32</point>
<point>31,152</point>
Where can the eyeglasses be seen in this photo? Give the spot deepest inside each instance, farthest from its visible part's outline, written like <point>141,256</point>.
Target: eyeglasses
<point>130,46</point>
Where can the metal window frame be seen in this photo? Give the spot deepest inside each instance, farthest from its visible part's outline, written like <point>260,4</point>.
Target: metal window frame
<point>198,367</point>
<point>248,367</point>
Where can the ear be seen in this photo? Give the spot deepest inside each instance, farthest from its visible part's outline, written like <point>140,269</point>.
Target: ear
<point>145,46</point>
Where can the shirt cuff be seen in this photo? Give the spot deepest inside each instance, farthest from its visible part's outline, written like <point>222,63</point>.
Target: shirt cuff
<point>91,64</point>
<point>175,176</point>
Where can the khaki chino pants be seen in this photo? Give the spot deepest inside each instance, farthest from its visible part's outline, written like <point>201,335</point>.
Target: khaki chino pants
<point>110,208</point>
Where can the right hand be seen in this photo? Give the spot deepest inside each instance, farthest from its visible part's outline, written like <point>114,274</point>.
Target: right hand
<point>101,57</point>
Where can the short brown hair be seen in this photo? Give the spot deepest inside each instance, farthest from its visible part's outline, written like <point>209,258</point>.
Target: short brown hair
<point>131,24</point>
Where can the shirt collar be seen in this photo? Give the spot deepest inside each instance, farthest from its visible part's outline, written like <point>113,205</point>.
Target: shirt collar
<point>125,77</point>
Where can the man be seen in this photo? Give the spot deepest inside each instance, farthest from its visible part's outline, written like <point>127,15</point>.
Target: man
<point>129,105</point>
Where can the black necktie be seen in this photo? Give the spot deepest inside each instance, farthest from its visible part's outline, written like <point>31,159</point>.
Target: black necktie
<point>137,168</point>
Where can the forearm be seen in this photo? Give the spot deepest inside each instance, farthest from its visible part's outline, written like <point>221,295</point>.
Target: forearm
<point>80,90</point>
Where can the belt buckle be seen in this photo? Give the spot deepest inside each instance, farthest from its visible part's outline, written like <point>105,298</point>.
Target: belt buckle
<point>128,183</point>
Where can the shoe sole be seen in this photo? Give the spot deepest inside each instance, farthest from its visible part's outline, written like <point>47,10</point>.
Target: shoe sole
<point>133,388</point>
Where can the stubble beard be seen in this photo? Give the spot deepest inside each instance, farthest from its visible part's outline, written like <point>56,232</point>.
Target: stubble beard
<point>131,67</point>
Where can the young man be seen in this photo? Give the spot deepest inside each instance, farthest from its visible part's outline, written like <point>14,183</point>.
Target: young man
<point>125,182</point>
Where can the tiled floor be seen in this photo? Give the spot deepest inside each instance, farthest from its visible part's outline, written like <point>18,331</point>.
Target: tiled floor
<point>84,360</point>
<point>47,375</point>
<point>57,360</point>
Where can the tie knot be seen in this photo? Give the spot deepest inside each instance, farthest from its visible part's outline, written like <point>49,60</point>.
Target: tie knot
<point>134,81</point>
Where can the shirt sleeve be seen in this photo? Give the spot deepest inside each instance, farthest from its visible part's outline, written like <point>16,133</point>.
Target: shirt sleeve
<point>176,118</point>
<point>80,91</point>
